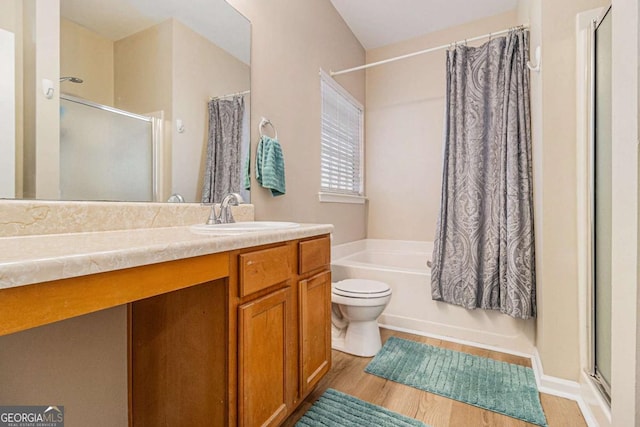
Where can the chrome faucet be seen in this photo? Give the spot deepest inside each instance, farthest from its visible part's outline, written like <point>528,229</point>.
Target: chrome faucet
<point>225,215</point>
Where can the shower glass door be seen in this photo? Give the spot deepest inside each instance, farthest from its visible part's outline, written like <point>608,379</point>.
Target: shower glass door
<point>105,153</point>
<point>602,205</point>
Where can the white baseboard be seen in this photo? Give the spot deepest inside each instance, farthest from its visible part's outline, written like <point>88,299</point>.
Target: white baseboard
<point>513,341</point>
<point>553,385</point>
<point>455,340</point>
<point>569,390</point>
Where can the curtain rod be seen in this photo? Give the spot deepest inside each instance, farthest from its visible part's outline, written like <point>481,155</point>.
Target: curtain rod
<point>433,49</point>
<point>230,95</point>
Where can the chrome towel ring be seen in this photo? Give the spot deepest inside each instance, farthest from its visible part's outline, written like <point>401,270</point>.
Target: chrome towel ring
<point>265,122</point>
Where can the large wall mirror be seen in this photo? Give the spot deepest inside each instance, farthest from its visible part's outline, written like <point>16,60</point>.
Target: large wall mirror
<point>113,100</point>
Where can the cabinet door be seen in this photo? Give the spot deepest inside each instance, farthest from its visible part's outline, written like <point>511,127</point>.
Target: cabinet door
<point>315,330</point>
<point>265,361</point>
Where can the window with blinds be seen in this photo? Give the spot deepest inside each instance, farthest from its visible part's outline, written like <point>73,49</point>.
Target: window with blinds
<point>341,135</point>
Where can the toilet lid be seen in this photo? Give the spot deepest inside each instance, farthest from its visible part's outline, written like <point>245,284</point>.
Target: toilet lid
<point>361,288</point>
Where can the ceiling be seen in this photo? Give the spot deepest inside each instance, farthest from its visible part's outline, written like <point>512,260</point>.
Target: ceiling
<point>114,19</point>
<point>378,23</point>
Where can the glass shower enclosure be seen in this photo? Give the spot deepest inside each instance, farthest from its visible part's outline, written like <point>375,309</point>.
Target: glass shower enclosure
<point>107,153</point>
<point>601,206</point>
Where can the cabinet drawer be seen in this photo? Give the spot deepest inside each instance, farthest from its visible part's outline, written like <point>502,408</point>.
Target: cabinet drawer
<point>314,254</point>
<point>261,269</point>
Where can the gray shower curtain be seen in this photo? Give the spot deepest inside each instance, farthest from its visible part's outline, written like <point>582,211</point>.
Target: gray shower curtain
<point>222,169</point>
<point>484,247</point>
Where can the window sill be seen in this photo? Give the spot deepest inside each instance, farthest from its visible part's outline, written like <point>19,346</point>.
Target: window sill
<point>340,198</point>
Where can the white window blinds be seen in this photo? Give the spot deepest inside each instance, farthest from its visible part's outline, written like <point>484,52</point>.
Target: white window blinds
<point>341,134</point>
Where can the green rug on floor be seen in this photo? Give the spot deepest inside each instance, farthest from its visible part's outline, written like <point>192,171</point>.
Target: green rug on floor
<point>479,381</point>
<point>334,408</point>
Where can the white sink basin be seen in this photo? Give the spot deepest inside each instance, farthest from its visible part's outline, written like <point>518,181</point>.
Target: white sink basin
<point>242,227</point>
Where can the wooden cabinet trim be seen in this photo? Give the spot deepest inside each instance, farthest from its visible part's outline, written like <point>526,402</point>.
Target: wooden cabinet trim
<point>29,306</point>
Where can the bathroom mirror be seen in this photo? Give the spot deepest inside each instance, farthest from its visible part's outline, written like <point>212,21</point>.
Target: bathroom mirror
<point>113,88</point>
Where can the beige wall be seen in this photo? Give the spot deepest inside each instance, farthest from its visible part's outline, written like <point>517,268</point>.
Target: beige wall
<point>555,187</point>
<point>79,363</point>
<point>200,70</point>
<point>143,74</point>
<point>89,56</point>
<point>144,81</point>
<point>291,41</point>
<point>404,123</point>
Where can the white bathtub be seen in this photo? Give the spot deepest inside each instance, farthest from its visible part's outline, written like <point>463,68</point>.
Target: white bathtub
<point>402,264</point>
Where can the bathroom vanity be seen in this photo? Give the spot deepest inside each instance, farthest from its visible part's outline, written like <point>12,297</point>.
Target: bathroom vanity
<point>222,330</point>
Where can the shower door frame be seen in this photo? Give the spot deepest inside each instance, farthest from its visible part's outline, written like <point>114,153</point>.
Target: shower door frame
<point>600,382</point>
<point>155,119</point>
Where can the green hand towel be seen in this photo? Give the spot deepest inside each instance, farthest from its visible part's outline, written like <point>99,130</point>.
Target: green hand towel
<point>246,178</point>
<point>270,165</point>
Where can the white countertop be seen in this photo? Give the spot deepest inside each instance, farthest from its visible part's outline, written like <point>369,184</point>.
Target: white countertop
<point>39,258</point>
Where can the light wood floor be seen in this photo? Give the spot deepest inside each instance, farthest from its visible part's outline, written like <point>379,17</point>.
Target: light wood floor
<point>347,375</point>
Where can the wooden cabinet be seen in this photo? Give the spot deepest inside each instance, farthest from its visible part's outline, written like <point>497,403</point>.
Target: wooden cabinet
<point>273,379</point>
<point>267,365</point>
<point>241,351</point>
<point>315,330</point>
<point>264,268</point>
<point>265,359</point>
<point>314,254</point>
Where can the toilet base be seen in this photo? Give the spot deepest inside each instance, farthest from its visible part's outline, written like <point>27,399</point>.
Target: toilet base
<point>360,338</point>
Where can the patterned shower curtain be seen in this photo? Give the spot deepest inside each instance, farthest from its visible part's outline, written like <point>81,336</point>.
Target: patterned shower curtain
<point>483,253</point>
<point>222,170</point>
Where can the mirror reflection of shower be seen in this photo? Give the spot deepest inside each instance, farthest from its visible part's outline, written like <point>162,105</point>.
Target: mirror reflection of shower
<point>107,153</point>
<point>71,79</point>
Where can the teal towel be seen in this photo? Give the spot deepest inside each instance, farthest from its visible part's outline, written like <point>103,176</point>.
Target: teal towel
<point>270,165</point>
<point>246,179</point>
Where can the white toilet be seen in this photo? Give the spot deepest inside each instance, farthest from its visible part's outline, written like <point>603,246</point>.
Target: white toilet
<point>356,305</point>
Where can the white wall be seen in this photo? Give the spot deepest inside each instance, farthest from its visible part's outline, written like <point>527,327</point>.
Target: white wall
<point>11,20</point>
<point>41,115</point>
<point>8,113</point>
<point>625,306</point>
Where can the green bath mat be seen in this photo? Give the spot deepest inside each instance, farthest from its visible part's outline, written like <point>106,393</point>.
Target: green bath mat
<point>486,383</point>
<point>339,409</point>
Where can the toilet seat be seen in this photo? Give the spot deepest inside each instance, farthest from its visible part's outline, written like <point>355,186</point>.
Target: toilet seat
<point>356,305</point>
<point>361,288</point>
